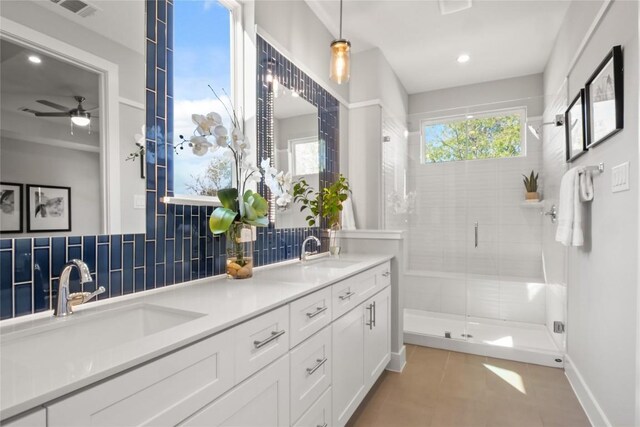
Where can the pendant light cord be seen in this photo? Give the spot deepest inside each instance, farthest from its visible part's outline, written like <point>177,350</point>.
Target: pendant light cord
<point>340,19</point>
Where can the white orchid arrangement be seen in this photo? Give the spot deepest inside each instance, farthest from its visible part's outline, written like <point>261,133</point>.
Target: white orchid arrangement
<point>279,183</point>
<point>239,204</point>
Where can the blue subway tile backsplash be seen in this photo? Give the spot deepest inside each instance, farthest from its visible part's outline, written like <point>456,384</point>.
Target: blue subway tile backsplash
<point>177,245</point>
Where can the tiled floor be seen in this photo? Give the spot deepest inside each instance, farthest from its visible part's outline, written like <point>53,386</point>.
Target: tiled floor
<point>444,388</point>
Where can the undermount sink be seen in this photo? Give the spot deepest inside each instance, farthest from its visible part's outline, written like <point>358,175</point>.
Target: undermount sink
<point>89,332</point>
<point>306,272</point>
<point>329,263</point>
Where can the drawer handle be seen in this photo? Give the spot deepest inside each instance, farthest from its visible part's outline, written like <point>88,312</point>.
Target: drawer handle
<point>274,336</point>
<point>317,366</point>
<point>346,296</point>
<point>318,311</point>
<point>386,274</point>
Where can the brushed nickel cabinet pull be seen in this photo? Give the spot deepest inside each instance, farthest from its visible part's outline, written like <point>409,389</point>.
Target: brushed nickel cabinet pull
<point>317,366</point>
<point>274,336</point>
<point>318,311</point>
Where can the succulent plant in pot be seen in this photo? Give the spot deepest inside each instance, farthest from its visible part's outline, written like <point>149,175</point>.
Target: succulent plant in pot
<point>531,187</point>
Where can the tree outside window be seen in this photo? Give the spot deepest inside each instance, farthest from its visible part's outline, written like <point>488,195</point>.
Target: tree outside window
<point>490,136</point>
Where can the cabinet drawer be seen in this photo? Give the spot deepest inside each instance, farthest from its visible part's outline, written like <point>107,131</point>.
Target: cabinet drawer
<point>262,400</point>
<point>310,371</point>
<point>383,275</point>
<point>310,314</point>
<point>260,341</point>
<point>352,291</point>
<point>162,392</point>
<point>319,415</point>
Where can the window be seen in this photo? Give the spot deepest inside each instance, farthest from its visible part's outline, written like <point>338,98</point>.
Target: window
<point>304,156</point>
<point>488,135</point>
<point>203,55</point>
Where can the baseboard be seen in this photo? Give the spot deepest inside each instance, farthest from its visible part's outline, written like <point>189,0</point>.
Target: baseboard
<point>594,412</point>
<point>398,360</point>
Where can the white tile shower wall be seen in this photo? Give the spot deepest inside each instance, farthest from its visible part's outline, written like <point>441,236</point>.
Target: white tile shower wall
<point>451,197</point>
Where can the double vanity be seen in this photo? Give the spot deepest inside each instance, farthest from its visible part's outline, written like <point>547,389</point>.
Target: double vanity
<point>299,344</point>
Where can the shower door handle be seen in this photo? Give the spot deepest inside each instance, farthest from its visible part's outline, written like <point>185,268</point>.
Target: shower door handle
<point>476,234</point>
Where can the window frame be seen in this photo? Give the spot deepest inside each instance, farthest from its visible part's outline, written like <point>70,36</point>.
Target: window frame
<point>292,153</point>
<point>521,111</point>
<point>236,77</point>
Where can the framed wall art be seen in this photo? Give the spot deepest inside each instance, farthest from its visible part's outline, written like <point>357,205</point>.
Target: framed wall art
<point>574,126</point>
<point>11,214</point>
<point>48,208</point>
<point>604,99</point>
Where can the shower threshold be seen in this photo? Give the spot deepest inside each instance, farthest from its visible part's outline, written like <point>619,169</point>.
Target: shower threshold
<point>522,342</point>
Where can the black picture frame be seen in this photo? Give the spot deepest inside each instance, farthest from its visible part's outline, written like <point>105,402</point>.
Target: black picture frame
<point>606,81</point>
<point>55,204</point>
<point>575,128</point>
<point>11,213</point>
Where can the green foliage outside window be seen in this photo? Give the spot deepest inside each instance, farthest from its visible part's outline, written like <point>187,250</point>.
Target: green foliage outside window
<point>475,138</point>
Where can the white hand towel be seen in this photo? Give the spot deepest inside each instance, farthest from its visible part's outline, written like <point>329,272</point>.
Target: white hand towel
<point>569,231</point>
<point>586,185</point>
<point>348,219</point>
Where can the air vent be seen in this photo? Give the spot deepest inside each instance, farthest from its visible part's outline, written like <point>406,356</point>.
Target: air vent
<point>452,6</point>
<point>77,7</point>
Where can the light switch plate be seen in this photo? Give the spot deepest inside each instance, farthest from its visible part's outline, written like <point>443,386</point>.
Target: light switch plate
<point>620,178</point>
<point>139,201</point>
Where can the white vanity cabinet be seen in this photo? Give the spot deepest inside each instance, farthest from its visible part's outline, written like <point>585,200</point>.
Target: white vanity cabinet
<point>309,362</point>
<point>162,392</point>
<point>260,401</point>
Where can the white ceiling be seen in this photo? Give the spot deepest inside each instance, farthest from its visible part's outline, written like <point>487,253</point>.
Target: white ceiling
<point>505,38</point>
<point>122,21</point>
<point>22,83</point>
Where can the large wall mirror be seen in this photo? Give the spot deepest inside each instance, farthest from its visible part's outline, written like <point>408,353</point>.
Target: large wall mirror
<point>298,129</point>
<point>72,101</point>
<point>296,144</point>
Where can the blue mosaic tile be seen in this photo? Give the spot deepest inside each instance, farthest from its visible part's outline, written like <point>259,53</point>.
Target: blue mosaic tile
<point>41,279</point>
<point>22,299</point>
<point>151,66</point>
<point>89,252</point>
<point>151,20</point>
<point>116,252</point>
<point>58,255</point>
<point>103,239</point>
<point>103,270</point>
<point>22,268</point>
<point>161,47</point>
<point>74,240</point>
<point>159,275</point>
<point>115,284</point>
<point>127,267</point>
<point>6,243</point>
<point>139,250</point>
<point>39,242</point>
<point>150,280</point>
<point>6,284</point>
<point>139,279</point>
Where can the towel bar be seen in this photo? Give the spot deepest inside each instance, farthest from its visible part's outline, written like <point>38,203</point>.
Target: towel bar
<point>599,168</point>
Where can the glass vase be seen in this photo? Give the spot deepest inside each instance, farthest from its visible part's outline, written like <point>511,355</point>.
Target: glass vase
<point>239,251</point>
<point>334,240</point>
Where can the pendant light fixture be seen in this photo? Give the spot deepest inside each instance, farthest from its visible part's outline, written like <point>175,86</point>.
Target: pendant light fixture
<point>340,53</point>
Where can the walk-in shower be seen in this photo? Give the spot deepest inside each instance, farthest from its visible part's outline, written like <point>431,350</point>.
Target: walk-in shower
<point>474,278</point>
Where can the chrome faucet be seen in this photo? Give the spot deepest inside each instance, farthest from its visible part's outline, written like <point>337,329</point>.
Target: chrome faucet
<point>66,301</point>
<point>304,254</point>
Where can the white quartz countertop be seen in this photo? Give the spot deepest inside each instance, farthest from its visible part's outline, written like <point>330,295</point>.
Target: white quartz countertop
<point>47,370</point>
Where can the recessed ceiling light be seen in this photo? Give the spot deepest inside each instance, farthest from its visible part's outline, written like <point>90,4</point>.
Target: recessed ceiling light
<point>35,59</point>
<point>463,58</point>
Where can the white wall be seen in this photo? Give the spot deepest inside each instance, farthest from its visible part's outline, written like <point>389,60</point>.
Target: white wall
<point>602,276</point>
<point>32,163</point>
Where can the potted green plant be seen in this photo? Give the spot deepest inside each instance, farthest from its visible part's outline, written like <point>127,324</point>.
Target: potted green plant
<point>327,204</point>
<point>531,187</point>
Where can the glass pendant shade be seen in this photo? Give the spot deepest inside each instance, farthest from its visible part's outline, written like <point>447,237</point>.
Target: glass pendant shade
<point>340,58</point>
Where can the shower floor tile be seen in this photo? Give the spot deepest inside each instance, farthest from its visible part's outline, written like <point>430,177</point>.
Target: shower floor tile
<point>445,388</point>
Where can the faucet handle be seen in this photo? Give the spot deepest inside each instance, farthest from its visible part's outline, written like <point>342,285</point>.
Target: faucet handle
<point>78,298</point>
